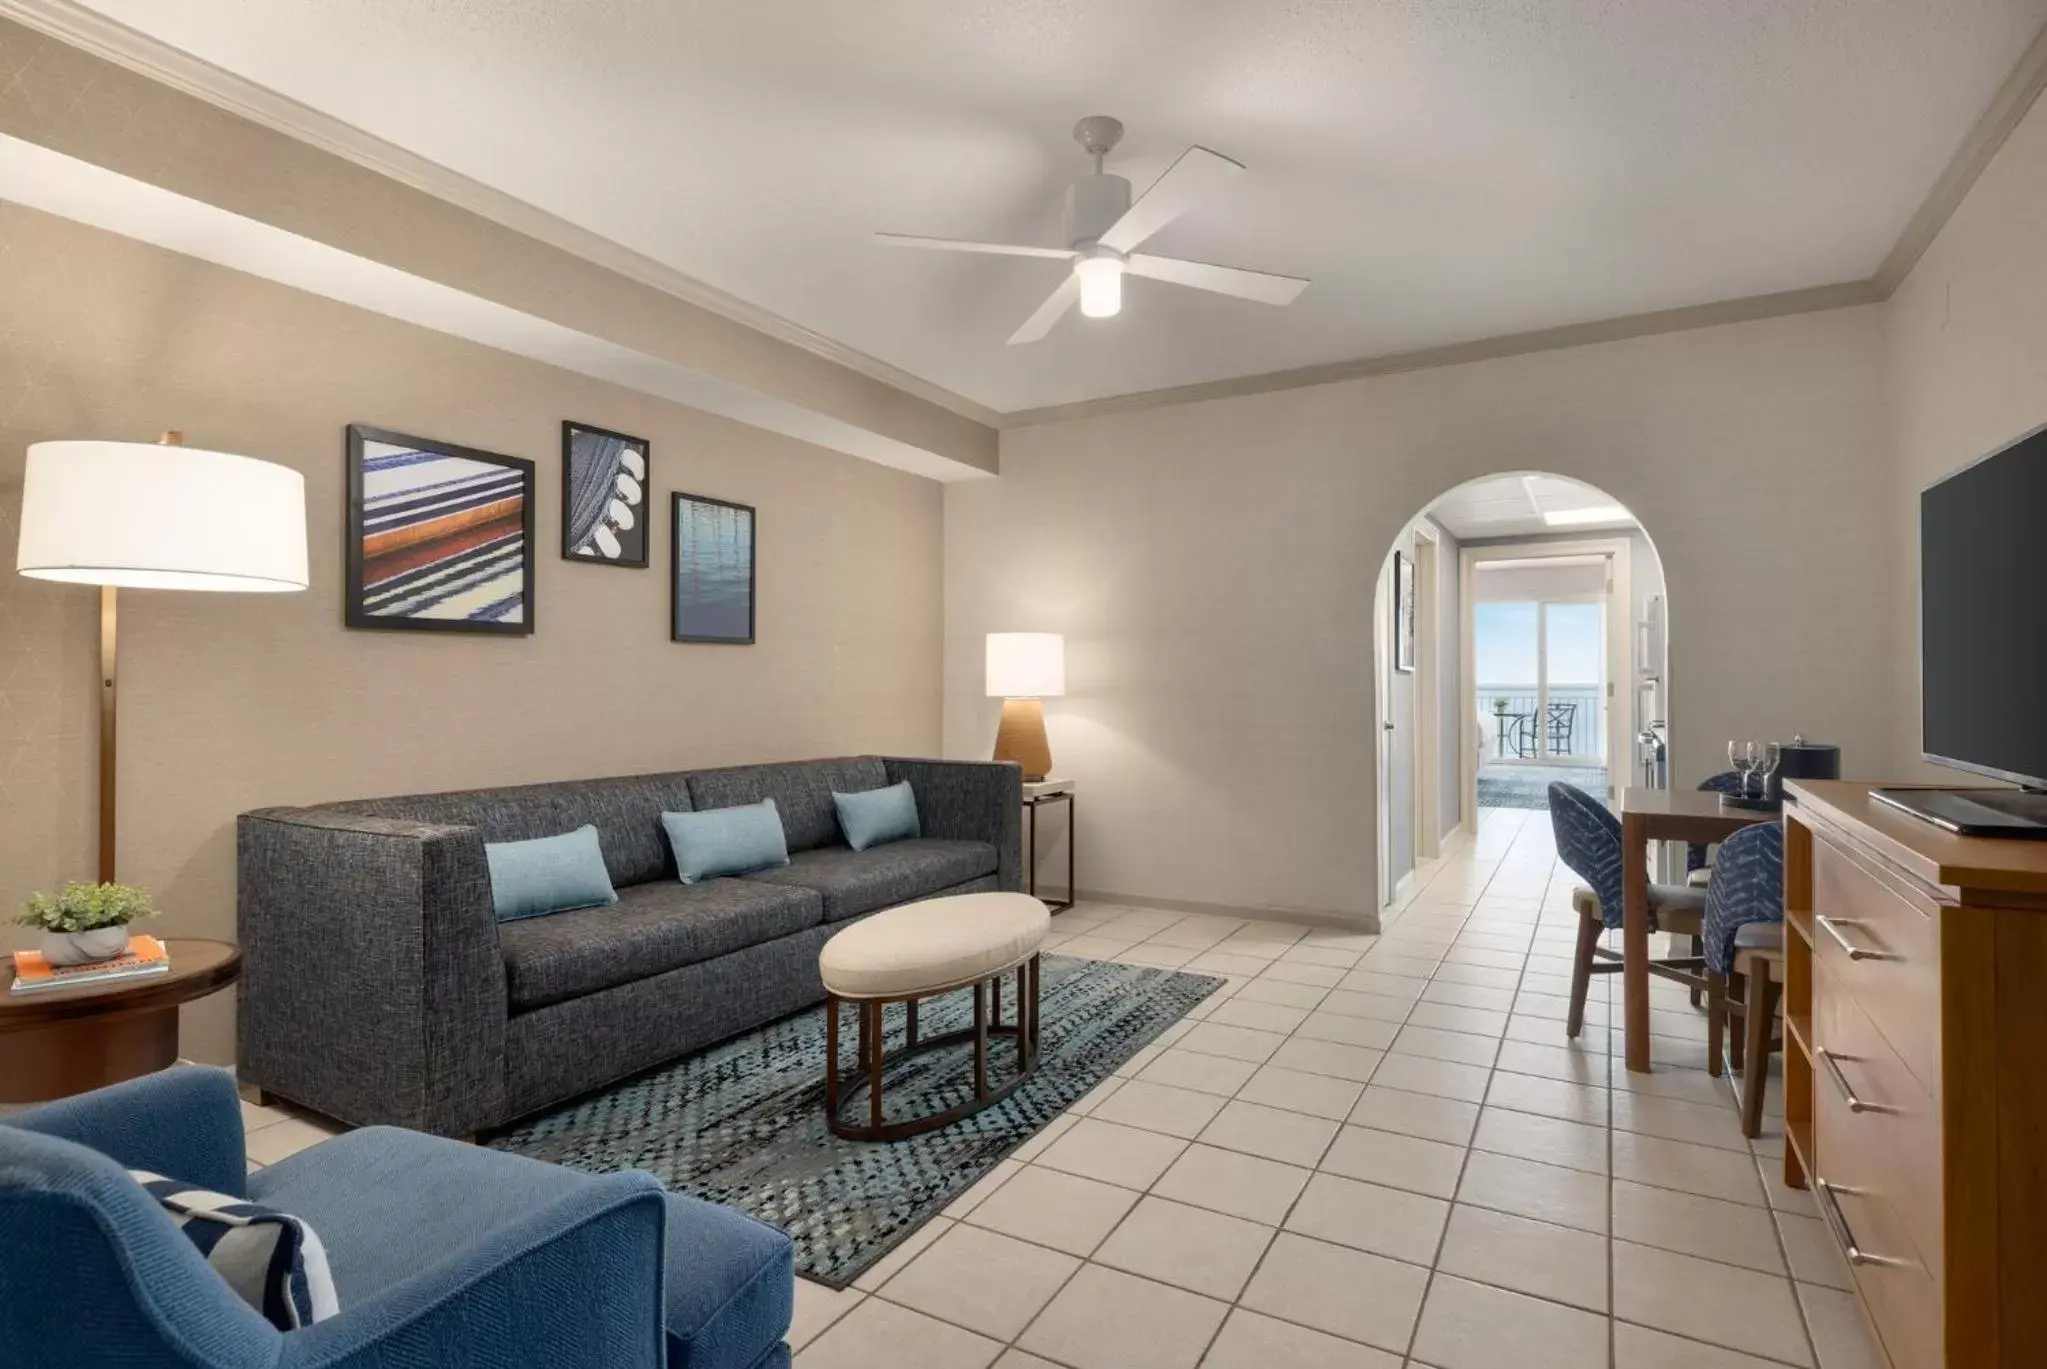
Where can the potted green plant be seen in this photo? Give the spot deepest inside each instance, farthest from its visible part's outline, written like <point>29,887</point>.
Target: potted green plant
<point>85,922</point>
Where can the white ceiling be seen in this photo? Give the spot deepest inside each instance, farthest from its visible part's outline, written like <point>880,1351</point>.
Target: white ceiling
<point>1513,505</point>
<point>1444,170</point>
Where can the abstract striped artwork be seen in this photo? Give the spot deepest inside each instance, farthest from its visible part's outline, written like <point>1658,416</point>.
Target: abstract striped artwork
<point>440,537</point>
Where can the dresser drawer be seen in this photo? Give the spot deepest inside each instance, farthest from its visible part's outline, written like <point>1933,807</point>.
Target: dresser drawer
<point>1875,1117</point>
<point>1883,949</point>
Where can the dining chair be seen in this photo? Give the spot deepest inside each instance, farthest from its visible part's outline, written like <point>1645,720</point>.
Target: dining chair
<point>1744,934</point>
<point>1588,838</point>
<point>1699,855</point>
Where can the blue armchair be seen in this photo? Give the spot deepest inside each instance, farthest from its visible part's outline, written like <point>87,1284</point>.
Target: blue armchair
<point>443,1254</point>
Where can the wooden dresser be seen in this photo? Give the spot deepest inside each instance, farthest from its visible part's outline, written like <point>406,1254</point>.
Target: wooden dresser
<point>1915,1071</point>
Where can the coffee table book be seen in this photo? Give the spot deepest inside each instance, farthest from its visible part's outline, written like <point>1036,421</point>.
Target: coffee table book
<point>145,956</point>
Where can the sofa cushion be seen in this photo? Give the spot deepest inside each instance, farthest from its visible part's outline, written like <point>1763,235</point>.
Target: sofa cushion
<point>548,875</point>
<point>382,1196</point>
<point>731,1285</point>
<point>272,1260</point>
<point>626,812</point>
<point>802,791</point>
<point>652,928</point>
<point>856,882</point>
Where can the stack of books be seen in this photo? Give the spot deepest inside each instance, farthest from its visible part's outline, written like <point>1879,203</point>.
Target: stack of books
<point>145,956</point>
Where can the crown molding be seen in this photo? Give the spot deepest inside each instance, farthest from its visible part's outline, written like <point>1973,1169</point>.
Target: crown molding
<point>2006,109</point>
<point>1745,310</point>
<point>94,33</point>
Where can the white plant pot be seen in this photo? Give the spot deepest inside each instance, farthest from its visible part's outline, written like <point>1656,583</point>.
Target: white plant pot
<point>82,948</point>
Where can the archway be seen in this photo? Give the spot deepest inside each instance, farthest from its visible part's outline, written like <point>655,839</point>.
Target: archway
<point>1521,636</point>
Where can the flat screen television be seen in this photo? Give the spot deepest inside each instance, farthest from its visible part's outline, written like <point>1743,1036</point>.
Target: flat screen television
<point>1983,640</point>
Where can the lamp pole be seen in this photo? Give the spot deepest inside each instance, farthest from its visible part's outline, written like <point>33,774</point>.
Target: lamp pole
<point>110,634</point>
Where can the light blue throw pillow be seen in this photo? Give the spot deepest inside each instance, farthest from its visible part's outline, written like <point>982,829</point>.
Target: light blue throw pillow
<point>548,874</point>
<point>874,816</point>
<point>727,841</point>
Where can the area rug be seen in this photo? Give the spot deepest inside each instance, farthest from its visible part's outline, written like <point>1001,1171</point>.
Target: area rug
<point>743,1123</point>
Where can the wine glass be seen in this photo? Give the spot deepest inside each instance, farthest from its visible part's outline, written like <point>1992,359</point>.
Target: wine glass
<point>1741,758</point>
<point>1766,766</point>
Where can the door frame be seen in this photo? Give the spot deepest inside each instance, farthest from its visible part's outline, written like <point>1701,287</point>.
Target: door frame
<point>1620,654</point>
<point>1426,752</point>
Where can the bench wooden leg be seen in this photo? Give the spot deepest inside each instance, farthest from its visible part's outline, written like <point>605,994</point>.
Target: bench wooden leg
<point>871,1033</point>
<point>831,1056</point>
<point>981,1035</point>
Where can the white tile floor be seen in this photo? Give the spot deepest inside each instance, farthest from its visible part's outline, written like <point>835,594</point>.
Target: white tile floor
<point>1367,1152</point>
<point>1373,1152</point>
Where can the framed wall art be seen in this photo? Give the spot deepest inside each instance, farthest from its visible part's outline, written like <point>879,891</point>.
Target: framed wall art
<point>712,580</point>
<point>605,479</point>
<point>439,536</point>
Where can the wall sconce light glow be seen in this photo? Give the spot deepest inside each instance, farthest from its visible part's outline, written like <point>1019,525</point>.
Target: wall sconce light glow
<point>1580,518</point>
<point>1101,286</point>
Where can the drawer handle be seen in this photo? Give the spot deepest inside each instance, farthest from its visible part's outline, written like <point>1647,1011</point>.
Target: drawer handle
<point>1833,929</point>
<point>1830,1208</point>
<point>1855,1104</point>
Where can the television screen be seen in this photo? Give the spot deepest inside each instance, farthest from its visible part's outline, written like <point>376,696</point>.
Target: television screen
<point>1983,615</point>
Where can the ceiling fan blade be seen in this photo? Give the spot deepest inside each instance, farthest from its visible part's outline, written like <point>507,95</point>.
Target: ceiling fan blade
<point>1048,313</point>
<point>1002,249</point>
<point>1185,183</point>
<point>1262,286</point>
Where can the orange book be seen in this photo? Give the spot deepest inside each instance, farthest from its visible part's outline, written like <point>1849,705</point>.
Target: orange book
<point>145,956</point>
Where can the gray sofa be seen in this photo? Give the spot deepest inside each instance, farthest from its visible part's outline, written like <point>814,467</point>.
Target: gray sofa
<point>377,987</point>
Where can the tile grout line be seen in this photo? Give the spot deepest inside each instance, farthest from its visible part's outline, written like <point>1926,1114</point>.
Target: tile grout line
<point>1464,922</point>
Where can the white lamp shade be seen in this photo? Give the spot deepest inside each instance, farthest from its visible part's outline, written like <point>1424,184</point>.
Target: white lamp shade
<point>1026,665</point>
<point>145,516</point>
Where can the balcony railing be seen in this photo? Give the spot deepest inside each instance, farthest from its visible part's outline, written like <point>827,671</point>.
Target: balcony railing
<point>1518,726</point>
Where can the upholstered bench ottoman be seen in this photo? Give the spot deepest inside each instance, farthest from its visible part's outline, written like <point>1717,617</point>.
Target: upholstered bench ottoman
<point>918,951</point>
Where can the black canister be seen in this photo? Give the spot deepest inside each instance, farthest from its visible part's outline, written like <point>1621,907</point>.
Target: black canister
<point>1799,759</point>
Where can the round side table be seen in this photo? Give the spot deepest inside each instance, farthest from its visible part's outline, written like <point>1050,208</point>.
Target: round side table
<point>64,1041</point>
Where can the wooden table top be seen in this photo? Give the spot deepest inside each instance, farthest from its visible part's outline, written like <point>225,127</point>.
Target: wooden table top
<point>198,967</point>
<point>1686,814</point>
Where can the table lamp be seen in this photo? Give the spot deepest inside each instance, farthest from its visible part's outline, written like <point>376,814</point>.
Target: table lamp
<point>1024,668</point>
<point>139,516</point>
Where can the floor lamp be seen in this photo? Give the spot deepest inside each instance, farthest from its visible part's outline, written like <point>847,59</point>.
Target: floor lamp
<point>131,515</point>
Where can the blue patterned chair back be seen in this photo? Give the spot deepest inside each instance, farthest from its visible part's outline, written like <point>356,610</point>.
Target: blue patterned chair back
<point>1726,782</point>
<point>1748,886</point>
<point>1589,841</point>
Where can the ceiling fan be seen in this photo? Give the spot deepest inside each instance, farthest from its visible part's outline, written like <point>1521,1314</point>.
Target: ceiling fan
<point>1104,227</point>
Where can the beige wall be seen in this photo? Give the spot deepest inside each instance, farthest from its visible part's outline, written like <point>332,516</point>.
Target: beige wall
<point>1212,566</point>
<point>1967,358</point>
<point>234,701</point>
<point>62,98</point>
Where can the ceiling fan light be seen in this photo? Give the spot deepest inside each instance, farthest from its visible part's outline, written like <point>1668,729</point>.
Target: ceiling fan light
<point>1101,286</point>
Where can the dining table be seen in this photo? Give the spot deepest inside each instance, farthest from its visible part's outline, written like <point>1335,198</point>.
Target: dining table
<point>1649,816</point>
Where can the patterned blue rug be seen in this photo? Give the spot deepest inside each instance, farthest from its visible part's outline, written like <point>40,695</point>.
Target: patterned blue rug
<point>743,1123</point>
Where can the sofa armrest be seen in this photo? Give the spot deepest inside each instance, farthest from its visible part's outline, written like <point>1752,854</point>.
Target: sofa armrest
<point>184,1123</point>
<point>579,1281</point>
<point>373,986</point>
<point>969,801</point>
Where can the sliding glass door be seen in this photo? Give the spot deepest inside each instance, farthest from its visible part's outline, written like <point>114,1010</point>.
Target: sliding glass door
<point>1541,671</point>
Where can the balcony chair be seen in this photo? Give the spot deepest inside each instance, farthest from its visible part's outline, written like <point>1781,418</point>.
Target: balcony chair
<point>1744,934</point>
<point>1588,839</point>
<point>443,1254</point>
